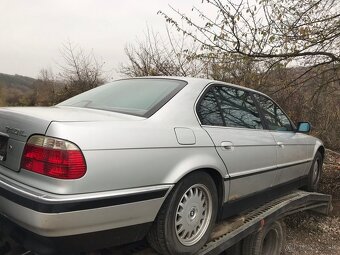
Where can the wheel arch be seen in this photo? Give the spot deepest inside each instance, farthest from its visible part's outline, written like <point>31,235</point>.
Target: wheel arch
<point>220,186</point>
<point>208,162</point>
<point>322,150</point>
<point>218,179</point>
<point>319,147</point>
<point>157,234</point>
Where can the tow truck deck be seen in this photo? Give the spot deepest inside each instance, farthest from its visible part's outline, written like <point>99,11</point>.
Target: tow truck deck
<point>229,233</point>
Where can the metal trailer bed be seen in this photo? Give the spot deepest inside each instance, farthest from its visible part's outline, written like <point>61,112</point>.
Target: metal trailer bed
<point>230,232</point>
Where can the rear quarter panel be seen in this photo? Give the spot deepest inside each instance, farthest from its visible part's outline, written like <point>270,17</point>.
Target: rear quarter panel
<point>126,155</point>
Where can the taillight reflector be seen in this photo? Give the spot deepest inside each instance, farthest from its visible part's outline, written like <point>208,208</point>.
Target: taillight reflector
<point>53,157</point>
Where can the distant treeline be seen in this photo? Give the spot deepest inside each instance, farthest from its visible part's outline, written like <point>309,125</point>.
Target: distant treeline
<point>322,109</point>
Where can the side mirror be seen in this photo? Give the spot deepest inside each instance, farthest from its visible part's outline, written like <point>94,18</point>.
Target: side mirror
<point>304,127</point>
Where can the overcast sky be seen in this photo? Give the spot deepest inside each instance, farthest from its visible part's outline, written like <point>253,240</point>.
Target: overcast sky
<point>32,31</point>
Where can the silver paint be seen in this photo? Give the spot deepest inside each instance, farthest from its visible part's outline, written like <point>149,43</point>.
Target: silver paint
<point>125,153</point>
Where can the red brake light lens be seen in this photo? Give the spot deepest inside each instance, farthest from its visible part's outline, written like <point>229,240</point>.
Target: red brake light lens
<point>53,157</point>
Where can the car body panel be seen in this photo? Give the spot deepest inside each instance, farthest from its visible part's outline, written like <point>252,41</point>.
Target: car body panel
<point>253,150</point>
<point>185,136</point>
<point>84,221</point>
<point>313,148</point>
<point>116,168</point>
<point>21,122</point>
<point>48,219</point>
<point>292,150</point>
<point>291,146</point>
<point>127,154</point>
<point>18,126</point>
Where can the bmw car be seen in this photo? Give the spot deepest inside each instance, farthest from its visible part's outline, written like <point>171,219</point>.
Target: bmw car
<point>160,158</point>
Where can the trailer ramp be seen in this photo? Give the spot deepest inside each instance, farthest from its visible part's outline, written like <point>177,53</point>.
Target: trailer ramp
<point>232,231</point>
<point>235,229</point>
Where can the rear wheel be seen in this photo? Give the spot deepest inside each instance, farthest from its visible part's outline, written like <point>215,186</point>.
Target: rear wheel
<point>187,217</point>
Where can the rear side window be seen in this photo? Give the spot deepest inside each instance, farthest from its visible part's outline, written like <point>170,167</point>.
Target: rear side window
<point>274,116</point>
<point>230,107</point>
<point>208,110</point>
<point>238,108</point>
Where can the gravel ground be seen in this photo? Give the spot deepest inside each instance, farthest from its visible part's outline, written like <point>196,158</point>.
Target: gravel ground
<point>313,234</point>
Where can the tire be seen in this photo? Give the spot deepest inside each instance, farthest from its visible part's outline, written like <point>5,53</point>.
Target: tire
<point>315,173</point>
<point>268,241</point>
<point>192,204</point>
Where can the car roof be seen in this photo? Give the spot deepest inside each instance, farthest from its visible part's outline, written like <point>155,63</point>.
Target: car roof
<point>202,81</point>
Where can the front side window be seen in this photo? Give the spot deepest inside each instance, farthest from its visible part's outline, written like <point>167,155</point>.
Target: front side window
<point>141,97</point>
<point>274,116</point>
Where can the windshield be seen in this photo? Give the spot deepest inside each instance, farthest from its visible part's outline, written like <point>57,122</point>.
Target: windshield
<point>141,97</point>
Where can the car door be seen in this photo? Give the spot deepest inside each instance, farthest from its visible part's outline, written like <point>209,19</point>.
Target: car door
<point>231,118</point>
<point>292,150</point>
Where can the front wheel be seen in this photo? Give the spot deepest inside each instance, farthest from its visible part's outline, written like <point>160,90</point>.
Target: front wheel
<point>187,217</point>
<point>315,173</point>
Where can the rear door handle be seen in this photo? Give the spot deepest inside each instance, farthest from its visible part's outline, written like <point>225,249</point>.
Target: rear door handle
<point>227,145</point>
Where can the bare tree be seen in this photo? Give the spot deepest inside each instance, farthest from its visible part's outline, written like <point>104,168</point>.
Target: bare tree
<point>45,88</point>
<point>306,85</point>
<point>157,56</point>
<point>2,97</point>
<point>271,32</point>
<point>80,71</point>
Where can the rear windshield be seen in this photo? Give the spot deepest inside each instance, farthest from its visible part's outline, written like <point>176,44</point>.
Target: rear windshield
<point>141,97</point>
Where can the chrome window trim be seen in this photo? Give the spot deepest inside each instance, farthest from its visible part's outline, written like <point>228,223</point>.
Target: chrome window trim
<point>251,91</point>
<point>242,128</point>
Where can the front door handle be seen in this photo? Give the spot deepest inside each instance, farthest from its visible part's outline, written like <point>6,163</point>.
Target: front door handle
<point>227,145</point>
<point>280,144</point>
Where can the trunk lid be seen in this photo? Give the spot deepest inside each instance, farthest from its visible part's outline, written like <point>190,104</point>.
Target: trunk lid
<point>17,124</point>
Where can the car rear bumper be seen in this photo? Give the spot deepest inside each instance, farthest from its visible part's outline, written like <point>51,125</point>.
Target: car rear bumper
<point>73,244</point>
<point>74,217</point>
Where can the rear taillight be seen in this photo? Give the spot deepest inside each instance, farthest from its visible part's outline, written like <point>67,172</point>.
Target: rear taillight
<point>53,157</point>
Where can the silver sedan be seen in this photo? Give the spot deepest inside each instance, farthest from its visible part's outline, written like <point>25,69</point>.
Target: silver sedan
<point>161,157</point>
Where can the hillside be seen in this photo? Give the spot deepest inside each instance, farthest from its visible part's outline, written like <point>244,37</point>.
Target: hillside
<point>16,90</point>
<point>18,82</point>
